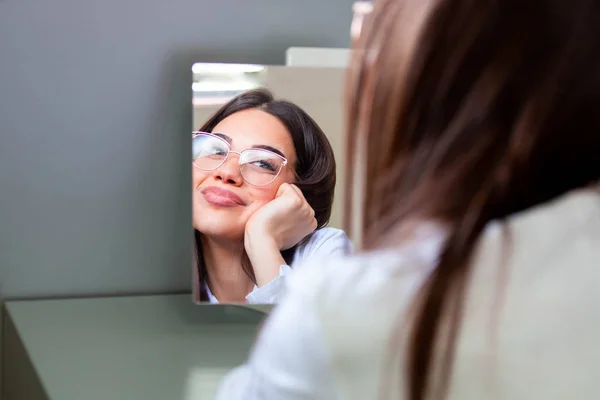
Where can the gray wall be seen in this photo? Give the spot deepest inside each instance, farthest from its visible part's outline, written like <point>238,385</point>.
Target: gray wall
<point>94,120</point>
<point>95,115</point>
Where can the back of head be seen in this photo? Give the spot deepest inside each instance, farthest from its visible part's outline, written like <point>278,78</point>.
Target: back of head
<point>463,112</point>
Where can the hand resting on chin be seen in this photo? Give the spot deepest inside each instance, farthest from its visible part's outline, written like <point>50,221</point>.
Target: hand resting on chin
<point>279,225</point>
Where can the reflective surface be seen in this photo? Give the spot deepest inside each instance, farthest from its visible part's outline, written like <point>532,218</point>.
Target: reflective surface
<point>140,347</point>
<point>318,91</point>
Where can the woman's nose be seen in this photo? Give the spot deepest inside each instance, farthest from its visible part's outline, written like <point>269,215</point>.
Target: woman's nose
<point>229,172</point>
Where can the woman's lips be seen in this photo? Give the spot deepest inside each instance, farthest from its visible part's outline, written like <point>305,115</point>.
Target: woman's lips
<point>221,197</point>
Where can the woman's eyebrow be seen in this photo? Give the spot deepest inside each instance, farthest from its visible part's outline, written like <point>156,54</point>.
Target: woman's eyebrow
<point>224,137</point>
<point>256,146</point>
<point>269,148</point>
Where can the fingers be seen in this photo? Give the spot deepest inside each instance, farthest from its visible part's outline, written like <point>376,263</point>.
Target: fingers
<point>301,195</point>
<point>283,189</point>
<point>297,189</point>
<point>303,199</point>
<point>298,192</point>
<point>298,200</point>
<point>286,189</point>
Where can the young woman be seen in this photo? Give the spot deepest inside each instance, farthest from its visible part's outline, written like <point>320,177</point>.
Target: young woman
<point>475,136</point>
<point>263,184</point>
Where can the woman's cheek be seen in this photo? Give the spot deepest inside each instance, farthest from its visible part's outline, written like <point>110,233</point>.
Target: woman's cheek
<point>197,177</point>
<point>264,194</point>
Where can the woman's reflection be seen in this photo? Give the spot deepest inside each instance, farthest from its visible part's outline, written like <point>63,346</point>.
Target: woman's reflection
<point>263,185</point>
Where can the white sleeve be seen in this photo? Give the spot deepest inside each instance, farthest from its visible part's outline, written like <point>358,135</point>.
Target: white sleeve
<point>289,360</point>
<point>324,243</point>
<point>272,292</point>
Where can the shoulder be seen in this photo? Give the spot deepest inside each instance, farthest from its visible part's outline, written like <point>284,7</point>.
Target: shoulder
<point>355,301</point>
<point>325,241</point>
<point>327,235</point>
<point>361,279</point>
<point>367,272</point>
<point>335,309</point>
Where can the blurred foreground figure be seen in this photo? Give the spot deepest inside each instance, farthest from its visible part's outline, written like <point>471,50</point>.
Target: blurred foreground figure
<point>474,153</point>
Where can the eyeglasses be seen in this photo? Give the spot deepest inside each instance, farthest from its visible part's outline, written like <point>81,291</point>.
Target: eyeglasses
<point>258,167</point>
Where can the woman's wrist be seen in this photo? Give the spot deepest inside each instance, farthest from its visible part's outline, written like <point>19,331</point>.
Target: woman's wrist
<point>265,256</point>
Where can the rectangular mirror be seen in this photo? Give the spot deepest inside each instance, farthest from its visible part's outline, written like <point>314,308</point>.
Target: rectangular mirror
<point>261,165</point>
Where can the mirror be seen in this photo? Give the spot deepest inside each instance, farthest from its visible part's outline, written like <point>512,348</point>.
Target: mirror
<point>261,164</point>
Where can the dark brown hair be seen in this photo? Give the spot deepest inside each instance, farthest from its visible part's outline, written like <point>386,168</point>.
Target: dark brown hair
<point>494,110</point>
<point>315,164</point>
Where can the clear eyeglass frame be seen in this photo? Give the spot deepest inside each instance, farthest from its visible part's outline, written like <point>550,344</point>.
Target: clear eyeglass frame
<point>284,160</point>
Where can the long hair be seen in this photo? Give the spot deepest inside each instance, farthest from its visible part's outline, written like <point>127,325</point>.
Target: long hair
<point>495,108</point>
<point>315,166</point>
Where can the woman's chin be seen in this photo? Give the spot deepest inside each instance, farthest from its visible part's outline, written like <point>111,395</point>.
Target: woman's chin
<point>220,224</point>
<point>220,231</point>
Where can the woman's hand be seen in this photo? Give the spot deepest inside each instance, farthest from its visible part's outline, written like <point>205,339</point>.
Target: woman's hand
<point>278,225</point>
<point>286,220</point>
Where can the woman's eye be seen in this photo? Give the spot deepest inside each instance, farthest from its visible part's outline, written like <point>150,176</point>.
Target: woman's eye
<point>217,151</point>
<point>264,164</point>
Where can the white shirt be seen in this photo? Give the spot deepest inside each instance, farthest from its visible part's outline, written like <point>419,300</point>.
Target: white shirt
<point>530,330</point>
<point>323,243</point>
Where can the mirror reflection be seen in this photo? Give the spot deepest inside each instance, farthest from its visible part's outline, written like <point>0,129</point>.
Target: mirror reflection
<point>267,146</point>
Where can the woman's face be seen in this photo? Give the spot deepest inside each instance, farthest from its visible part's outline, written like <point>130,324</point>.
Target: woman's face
<point>244,130</point>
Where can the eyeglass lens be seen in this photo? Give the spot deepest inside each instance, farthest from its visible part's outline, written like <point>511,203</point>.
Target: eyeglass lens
<point>258,167</point>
